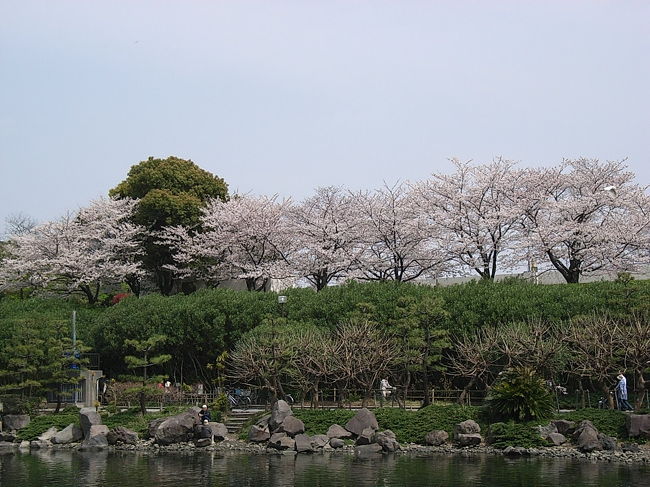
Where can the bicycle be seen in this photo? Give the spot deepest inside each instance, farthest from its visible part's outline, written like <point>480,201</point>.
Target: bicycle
<point>238,399</point>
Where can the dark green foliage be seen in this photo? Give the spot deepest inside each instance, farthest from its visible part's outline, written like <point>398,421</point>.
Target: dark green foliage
<point>520,394</point>
<point>134,420</point>
<point>171,192</point>
<point>608,421</point>
<point>408,426</point>
<point>501,435</point>
<point>40,424</point>
<point>317,421</point>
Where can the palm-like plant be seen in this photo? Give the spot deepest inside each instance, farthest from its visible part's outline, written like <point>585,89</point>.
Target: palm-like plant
<point>520,394</point>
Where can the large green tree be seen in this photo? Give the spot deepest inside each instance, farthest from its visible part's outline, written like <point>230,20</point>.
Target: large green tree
<point>172,192</point>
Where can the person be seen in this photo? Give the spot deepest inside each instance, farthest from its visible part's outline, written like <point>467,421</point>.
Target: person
<point>621,394</point>
<point>385,388</point>
<point>204,414</point>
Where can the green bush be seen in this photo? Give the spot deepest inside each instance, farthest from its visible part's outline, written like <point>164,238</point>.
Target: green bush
<point>519,395</point>
<point>17,404</point>
<point>408,426</point>
<point>501,435</point>
<point>40,424</point>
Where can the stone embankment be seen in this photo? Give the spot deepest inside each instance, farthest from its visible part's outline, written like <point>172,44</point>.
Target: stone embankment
<point>281,433</point>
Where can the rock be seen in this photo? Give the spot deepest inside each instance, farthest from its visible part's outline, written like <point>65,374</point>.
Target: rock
<point>468,427</point>
<point>545,431</point>
<point>8,437</point>
<point>274,441</point>
<point>153,426</point>
<point>70,434</point>
<point>586,437</point>
<point>24,444</point>
<point>97,438</point>
<point>319,441</point>
<point>337,443</point>
<point>279,412</point>
<point>563,426</point>
<point>219,431</point>
<point>630,448</point>
<point>291,426</point>
<point>436,437</point>
<point>176,429</point>
<point>87,418</point>
<point>387,441</point>
<point>39,444</point>
<point>515,451</point>
<point>303,443</point>
<point>366,436</point>
<point>202,442</point>
<point>49,434</point>
<point>470,439</point>
<point>203,431</point>
<point>365,450</point>
<point>362,420</point>
<point>258,434</point>
<point>556,438</point>
<point>608,442</point>
<point>15,422</point>
<point>122,435</point>
<point>338,431</point>
<point>638,425</point>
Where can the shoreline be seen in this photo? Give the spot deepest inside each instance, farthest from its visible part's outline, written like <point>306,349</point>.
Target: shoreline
<point>245,448</point>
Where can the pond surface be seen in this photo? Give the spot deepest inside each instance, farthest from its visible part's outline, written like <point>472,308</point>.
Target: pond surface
<point>130,469</point>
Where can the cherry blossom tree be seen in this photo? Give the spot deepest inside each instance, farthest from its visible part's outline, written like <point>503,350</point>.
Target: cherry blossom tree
<point>476,207</point>
<point>324,226</point>
<point>394,242</point>
<point>586,216</point>
<point>246,238</point>
<point>77,253</point>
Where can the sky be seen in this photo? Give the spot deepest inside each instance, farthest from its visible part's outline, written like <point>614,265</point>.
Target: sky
<point>281,97</point>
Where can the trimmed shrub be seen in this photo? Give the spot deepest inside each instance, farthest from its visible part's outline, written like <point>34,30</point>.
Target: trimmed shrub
<point>502,435</point>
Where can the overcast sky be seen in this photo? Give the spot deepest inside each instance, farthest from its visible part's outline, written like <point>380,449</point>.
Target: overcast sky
<point>284,96</point>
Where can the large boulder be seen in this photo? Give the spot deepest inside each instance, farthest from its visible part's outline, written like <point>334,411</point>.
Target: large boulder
<point>545,431</point>
<point>337,443</point>
<point>608,442</point>
<point>281,441</point>
<point>219,431</point>
<point>122,435</point>
<point>15,422</point>
<point>304,443</point>
<point>387,440</point>
<point>468,427</point>
<point>638,425</point>
<point>176,429</point>
<point>258,434</point>
<point>153,426</point>
<point>362,420</point>
<point>97,438</point>
<point>366,437</point>
<point>88,417</point>
<point>436,437</point>
<point>563,426</point>
<point>470,439</point>
<point>556,438</point>
<point>70,434</point>
<point>319,441</point>
<point>49,434</point>
<point>203,431</point>
<point>338,431</point>
<point>586,437</point>
<point>292,426</point>
<point>279,412</point>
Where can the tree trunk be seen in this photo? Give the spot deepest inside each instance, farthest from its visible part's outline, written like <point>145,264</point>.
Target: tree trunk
<point>466,389</point>
<point>640,389</point>
<point>134,284</point>
<point>571,274</point>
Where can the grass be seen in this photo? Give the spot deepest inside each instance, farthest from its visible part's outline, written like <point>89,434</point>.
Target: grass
<point>40,424</point>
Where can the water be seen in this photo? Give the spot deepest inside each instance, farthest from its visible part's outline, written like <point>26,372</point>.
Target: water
<point>129,469</point>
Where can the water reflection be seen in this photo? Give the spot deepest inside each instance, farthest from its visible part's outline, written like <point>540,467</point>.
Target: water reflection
<point>129,469</point>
